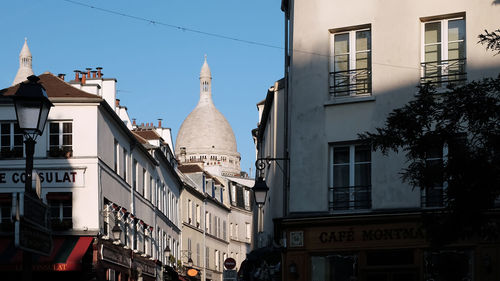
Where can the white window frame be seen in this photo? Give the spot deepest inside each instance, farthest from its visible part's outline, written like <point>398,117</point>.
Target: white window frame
<point>12,135</point>
<point>61,134</point>
<point>444,42</point>
<point>352,164</point>
<point>352,60</point>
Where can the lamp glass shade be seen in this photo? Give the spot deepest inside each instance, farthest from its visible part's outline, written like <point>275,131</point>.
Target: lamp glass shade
<point>32,106</point>
<point>117,232</point>
<point>166,252</point>
<point>260,190</point>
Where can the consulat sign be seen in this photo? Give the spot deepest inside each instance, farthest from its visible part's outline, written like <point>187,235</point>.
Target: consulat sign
<point>48,178</point>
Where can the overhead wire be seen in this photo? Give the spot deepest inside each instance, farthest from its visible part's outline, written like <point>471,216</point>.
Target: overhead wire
<point>216,35</point>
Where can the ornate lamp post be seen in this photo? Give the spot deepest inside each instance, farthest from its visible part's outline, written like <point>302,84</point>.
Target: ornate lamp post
<point>32,109</point>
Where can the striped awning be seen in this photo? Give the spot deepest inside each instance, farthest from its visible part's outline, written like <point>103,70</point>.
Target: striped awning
<point>66,254</point>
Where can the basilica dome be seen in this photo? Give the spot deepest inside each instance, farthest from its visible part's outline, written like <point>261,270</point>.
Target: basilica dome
<point>205,135</point>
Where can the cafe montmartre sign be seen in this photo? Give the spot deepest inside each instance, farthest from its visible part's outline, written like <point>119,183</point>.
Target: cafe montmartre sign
<point>356,235</point>
<point>48,177</point>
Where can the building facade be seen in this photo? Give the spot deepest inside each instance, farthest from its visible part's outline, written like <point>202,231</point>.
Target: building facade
<point>346,214</point>
<point>95,174</point>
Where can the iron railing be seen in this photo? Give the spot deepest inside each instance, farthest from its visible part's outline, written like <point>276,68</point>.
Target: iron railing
<point>443,72</point>
<point>350,198</point>
<point>351,82</point>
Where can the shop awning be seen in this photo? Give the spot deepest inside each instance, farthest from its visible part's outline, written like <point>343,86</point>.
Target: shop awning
<point>66,254</point>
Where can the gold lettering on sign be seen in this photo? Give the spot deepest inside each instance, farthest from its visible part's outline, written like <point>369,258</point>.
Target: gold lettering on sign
<point>377,234</point>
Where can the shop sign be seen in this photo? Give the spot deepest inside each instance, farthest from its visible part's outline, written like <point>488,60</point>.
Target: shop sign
<point>145,267</point>
<point>359,235</point>
<point>117,256</point>
<point>48,178</point>
<point>31,226</point>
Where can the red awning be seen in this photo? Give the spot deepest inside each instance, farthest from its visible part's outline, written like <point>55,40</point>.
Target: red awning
<point>66,254</point>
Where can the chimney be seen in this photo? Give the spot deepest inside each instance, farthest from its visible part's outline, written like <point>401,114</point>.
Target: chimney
<point>117,102</point>
<point>99,73</point>
<point>142,124</point>
<point>94,73</point>
<point>77,75</point>
<point>133,122</point>
<point>88,72</point>
<point>84,76</point>
<point>61,76</point>
<point>159,123</point>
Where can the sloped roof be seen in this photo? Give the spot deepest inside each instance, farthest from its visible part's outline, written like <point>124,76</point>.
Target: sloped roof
<point>147,134</point>
<point>55,88</point>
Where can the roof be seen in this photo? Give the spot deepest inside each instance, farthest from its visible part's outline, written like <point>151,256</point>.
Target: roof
<point>147,134</point>
<point>195,168</point>
<point>243,181</point>
<point>55,88</point>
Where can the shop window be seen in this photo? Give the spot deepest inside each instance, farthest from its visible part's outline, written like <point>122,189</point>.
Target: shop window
<point>448,265</point>
<point>6,224</point>
<point>390,258</point>
<point>61,208</point>
<point>334,267</point>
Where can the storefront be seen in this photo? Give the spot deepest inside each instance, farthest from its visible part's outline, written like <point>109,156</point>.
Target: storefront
<point>114,262</point>
<point>70,259</point>
<point>380,248</point>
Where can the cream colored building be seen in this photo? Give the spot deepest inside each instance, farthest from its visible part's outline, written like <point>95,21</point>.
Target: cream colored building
<point>348,64</point>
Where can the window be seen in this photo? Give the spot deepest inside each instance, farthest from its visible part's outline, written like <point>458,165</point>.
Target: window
<point>61,208</point>
<point>224,231</point>
<point>190,211</point>
<point>124,163</point>
<point>443,52</point>
<point>246,198</point>
<point>248,231</point>
<point>216,259</point>
<point>60,139</point>
<point>144,181</point>
<point>11,140</point>
<point>350,62</point>
<point>198,254</point>
<point>198,215</point>
<point>189,248</point>
<point>135,168</point>
<point>117,156</point>
<point>207,257</point>
<point>231,230</point>
<point>433,194</point>
<point>350,177</point>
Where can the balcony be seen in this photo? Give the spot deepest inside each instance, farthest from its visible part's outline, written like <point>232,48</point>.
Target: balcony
<point>351,82</point>
<point>444,72</point>
<point>350,198</point>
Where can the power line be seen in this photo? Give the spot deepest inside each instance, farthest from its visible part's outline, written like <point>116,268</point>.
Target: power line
<point>216,35</point>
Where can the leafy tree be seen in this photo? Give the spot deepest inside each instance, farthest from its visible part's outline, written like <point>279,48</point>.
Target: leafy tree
<point>491,39</point>
<point>463,122</point>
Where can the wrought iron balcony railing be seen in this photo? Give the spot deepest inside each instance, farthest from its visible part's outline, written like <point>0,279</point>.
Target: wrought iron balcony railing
<point>351,82</point>
<point>443,72</point>
<point>350,198</point>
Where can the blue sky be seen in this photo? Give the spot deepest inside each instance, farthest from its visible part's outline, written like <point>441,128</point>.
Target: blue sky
<point>157,66</point>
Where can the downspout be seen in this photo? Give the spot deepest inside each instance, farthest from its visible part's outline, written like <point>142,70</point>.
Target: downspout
<point>286,179</point>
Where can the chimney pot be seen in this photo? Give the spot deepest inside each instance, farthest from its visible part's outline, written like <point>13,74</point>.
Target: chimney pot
<point>142,124</point>
<point>117,102</point>
<point>61,76</point>
<point>94,73</point>
<point>133,122</point>
<point>88,72</point>
<point>99,73</point>
<point>159,123</point>
<point>77,75</point>
<point>84,77</point>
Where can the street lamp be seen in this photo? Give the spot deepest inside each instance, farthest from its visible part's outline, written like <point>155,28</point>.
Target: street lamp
<point>32,109</point>
<point>260,190</point>
<point>190,262</point>
<point>166,253</point>
<point>117,232</point>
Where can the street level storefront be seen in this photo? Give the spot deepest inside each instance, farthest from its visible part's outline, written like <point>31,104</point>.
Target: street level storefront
<point>380,248</point>
<point>70,259</point>
<point>114,262</point>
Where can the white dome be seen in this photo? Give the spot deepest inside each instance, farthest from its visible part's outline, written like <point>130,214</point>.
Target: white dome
<point>205,135</point>
<point>206,130</point>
